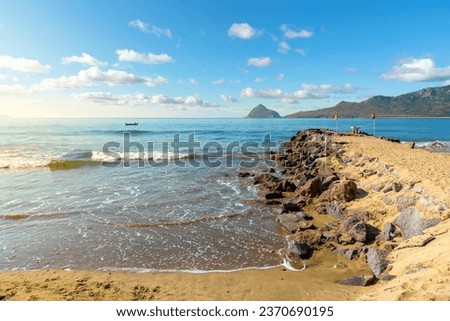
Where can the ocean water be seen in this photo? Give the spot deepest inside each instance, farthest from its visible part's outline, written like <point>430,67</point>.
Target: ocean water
<point>92,194</point>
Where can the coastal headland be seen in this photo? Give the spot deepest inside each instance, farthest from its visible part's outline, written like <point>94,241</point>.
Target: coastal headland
<point>364,218</point>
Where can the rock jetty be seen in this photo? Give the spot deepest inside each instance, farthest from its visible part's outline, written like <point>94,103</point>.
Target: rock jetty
<point>313,194</point>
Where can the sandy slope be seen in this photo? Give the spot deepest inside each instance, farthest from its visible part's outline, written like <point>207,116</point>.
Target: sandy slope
<point>422,273</point>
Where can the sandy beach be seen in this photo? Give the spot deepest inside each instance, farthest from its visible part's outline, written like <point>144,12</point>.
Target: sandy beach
<point>420,265</point>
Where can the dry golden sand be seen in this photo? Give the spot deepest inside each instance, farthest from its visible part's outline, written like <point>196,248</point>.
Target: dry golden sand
<point>422,273</point>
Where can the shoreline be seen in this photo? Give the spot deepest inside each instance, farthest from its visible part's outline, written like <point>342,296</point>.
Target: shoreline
<point>420,270</point>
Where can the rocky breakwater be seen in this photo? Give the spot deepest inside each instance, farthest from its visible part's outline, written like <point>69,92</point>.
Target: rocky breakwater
<point>316,199</point>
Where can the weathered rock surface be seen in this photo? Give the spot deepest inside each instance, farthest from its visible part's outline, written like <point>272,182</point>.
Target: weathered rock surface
<point>376,259</point>
<point>359,280</point>
<point>340,191</point>
<point>296,250</point>
<point>404,201</point>
<point>355,227</point>
<point>411,223</point>
<point>335,209</point>
<point>293,222</point>
<point>290,207</point>
<point>389,232</point>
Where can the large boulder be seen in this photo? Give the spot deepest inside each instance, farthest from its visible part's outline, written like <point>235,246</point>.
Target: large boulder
<point>312,188</point>
<point>294,222</point>
<point>290,207</point>
<point>299,250</point>
<point>355,227</point>
<point>412,224</point>
<point>376,259</point>
<point>340,191</point>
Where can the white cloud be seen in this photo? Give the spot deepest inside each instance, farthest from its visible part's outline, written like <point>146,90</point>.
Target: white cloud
<point>140,25</point>
<point>192,81</point>
<point>306,91</point>
<point>259,62</point>
<point>289,33</point>
<point>140,99</point>
<point>22,64</point>
<point>3,77</point>
<point>12,89</point>
<point>243,31</point>
<point>159,32</point>
<point>301,51</point>
<point>280,77</point>
<point>413,69</point>
<point>149,58</point>
<point>145,27</point>
<point>84,59</point>
<point>228,99</point>
<point>260,79</point>
<point>283,47</point>
<point>218,81</point>
<point>94,76</point>
<point>351,70</point>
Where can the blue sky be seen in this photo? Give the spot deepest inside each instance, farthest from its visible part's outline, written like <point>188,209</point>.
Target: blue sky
<point>178,58</point>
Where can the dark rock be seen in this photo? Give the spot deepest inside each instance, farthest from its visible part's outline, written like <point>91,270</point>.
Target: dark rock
<point>351,253</point>
<point>296,250</point>
<point>274,195</point>
<point>376,259</point>
<point>245,174</point>
<point>388,232</point>
<point>312,188</point>
<point>2,297</point>
<point>287,186</point>
<point>335,210</point>
<point>372,233</point>
<point>293,222</point>
<point>404,202</point>
<point>412,224</point>
<point>300,201</point>
<point>302,178</point>
<point>397,187</point>
<point>359,280</point>
<point>355,227</point>
<point>328,180</point>
<point>265,178</point>
<point>273,202</point>
<point>290,207</point>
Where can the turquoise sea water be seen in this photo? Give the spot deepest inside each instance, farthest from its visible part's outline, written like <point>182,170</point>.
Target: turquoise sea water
<point>175,213</point>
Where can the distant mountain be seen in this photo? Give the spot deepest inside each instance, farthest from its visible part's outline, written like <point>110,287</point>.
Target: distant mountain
<point>428,102</point>
<point>261,111</point>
